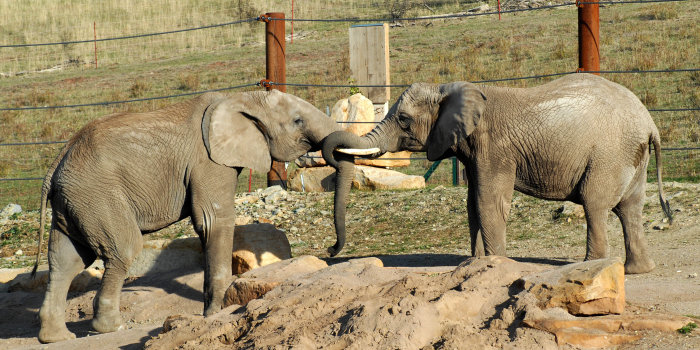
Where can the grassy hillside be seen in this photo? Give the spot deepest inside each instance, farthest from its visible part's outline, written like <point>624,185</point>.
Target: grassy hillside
<point>633,37</point>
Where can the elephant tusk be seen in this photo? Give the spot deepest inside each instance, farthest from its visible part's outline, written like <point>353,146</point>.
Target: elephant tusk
<point>358,151</point>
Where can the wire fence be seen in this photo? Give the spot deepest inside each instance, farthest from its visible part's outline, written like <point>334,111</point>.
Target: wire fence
<point>21,159</point>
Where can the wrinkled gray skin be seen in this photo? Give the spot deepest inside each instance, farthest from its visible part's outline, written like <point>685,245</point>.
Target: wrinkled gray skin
<point>127,174</point>
<point>579,138</point>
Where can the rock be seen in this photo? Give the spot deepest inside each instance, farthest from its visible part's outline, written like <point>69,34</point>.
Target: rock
<point>312,179</point>
<point>601,331</point>
<point>247,199</point>
<point>592,287</point>
<point>243,220</point>
<point>569,210</point>
<point>480,9</point>
<point>387,163</point>
<point>368,178</point>
<point>274,194</point>
<point>356,114</point>
<point>24,282</point>
<point>255,283</point>
<point>10,210</point>
<point>258,245</point>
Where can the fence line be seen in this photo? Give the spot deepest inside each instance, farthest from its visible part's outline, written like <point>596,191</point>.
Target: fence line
<point>272,83</point>
<point>106,103</point>
<point>263,18</point>
<point>134,36</point>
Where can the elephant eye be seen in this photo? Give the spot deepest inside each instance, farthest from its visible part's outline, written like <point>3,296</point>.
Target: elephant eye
<point>404,121</point>
<point>298,121</point>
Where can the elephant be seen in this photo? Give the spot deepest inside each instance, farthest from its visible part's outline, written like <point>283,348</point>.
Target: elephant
<point>579,138</point>
<point>127,174</point>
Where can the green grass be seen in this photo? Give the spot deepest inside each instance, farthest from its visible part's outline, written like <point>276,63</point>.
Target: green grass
<point>633,36</point>
<point>687,329</point>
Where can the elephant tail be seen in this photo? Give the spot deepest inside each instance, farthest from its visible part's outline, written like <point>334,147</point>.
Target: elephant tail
<point>45,188</point>
<point>45,195</point>
<point>665,206</point>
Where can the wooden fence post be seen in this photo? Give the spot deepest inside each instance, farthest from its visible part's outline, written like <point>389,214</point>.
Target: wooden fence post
<point>276,72</point>
<point>588,36</point>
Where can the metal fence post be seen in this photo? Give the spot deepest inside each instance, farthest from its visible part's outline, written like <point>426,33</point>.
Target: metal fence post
<point>276,72</point>
<point>455,172</point>
<point>588,36</point>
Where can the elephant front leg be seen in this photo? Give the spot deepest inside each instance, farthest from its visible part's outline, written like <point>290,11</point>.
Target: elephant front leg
<point>492,209</point>
<point>217,266</point>
<point>476,239</point>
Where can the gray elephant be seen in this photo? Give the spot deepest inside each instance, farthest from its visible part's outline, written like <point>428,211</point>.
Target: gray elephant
<point>579,138</point>
<point>127,174</point>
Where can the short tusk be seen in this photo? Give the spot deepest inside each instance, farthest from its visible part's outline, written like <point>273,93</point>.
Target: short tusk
<point>358,151</point>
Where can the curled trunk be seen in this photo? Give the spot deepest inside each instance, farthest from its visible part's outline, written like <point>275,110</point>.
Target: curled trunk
<point>345,172</point>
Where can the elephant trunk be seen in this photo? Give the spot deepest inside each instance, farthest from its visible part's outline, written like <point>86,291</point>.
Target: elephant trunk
<point>343,161</point>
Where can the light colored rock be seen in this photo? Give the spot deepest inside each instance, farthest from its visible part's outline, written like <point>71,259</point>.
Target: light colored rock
<point>24,282</point>
<point>385,162</point>
<point>273,194</point>
<point>594,287</point>
<point>9,210</point>
<point>369,178</point>
<point>258,245</point>
<point>600,331</point>
<point>366,178</point>
<point>255,283</point>
<point>570,210</point>
<point>320,179</point>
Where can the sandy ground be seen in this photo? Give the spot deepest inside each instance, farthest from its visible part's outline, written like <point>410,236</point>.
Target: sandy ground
<point>672,288</point>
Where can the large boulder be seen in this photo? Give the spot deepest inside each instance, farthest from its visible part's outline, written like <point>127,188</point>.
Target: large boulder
<point>594,287</point>
<point>366,178</point>
<point>256,283</point>
<point>258,245</point>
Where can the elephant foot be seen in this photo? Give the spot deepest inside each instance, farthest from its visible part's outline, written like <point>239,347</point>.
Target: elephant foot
<point>55,334</point>
<point>107,324</point>
<point>639,266</point>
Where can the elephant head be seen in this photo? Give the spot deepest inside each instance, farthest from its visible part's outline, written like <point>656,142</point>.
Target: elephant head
<point>426,118</point>
<point>268,125</point>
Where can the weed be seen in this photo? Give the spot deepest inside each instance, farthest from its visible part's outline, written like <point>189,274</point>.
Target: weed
<point>138,88</point>
<point>687,329</point>
<point>188,82</point>
<point>659,12</point>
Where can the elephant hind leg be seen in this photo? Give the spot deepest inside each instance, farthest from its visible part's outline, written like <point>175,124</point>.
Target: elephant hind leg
<point>125,244</point>
<point>629,211</point>
<point>597,232</point>
<point>66,259</point>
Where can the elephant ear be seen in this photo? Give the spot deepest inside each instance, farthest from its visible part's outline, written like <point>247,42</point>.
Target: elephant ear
<point>461,105</point>
<point>233,137</point>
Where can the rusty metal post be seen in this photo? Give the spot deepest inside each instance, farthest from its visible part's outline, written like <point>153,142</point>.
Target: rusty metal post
<point>588,36</point>
<point>276,72</point>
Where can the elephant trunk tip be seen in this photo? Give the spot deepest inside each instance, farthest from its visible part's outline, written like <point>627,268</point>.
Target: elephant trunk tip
<point>334,250</point>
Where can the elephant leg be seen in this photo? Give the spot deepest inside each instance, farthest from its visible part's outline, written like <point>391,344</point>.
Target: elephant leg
<point>476,239</point>
<point>66,260</point>
<point>629,211</point>
<point>493,206</point>
<point>125,244</point>
<point>213,216</point>
<point>597,232</point>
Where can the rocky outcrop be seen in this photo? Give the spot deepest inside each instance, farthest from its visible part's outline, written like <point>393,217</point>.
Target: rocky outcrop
<point>366,178</point>
<point>258,245</point>
<point>595,287</point>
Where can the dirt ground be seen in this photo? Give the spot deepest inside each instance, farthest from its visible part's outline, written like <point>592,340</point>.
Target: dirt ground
<point>541,235</point>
